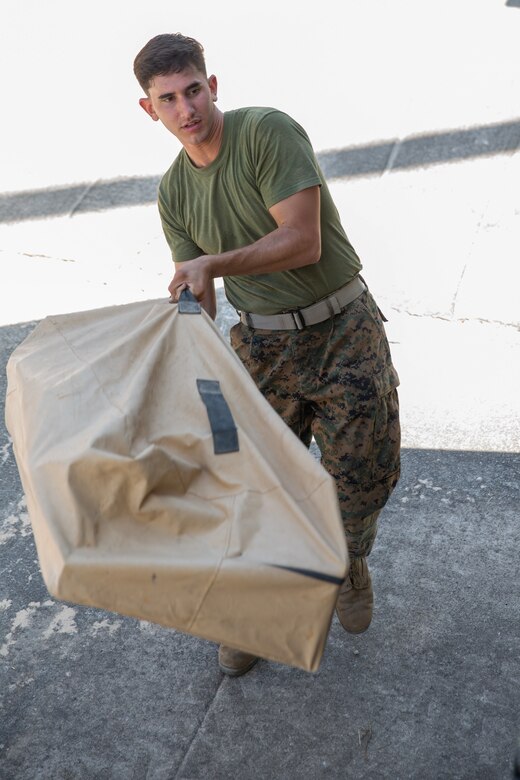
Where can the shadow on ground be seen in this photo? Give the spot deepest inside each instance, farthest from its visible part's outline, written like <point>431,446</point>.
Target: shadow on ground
<point>367,160</point>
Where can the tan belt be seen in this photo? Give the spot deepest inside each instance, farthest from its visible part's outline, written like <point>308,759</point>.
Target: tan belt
<point>310,315</point>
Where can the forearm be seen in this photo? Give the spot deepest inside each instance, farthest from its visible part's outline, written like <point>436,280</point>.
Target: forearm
<point>282,250</point>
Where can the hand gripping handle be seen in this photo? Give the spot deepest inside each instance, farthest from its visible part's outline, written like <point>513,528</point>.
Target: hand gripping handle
<point>188,304</point>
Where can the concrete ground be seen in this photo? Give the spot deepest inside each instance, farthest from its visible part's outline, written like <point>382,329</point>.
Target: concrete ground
<point>423,161</point>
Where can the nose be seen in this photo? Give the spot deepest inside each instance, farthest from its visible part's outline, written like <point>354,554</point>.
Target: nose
<point>186,108</point>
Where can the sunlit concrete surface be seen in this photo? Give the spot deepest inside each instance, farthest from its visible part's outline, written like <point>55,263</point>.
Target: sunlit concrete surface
<point>439,244</point>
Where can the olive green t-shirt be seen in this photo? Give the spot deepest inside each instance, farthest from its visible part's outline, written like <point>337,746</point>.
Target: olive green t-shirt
<point>264,158</point>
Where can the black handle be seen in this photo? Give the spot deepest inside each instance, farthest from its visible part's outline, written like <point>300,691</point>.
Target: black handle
<point>188,304</point>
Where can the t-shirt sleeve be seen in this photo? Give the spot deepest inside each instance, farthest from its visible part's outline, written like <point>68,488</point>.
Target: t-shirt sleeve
<point>181,245</point>
<point>284,160</point>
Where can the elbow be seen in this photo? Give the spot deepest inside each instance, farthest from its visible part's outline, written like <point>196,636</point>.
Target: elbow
<point>306,248</point>
<point>314,250</point>
<point>309,249</point>
<point>317,253</point>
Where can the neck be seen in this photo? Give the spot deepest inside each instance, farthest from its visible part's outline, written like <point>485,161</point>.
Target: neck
<point>203,154</point>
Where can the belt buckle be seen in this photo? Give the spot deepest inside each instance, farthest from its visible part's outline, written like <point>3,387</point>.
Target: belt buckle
<point>298,319</point>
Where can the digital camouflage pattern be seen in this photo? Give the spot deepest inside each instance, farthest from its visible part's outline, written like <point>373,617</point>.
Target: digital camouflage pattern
<point>335,381</point>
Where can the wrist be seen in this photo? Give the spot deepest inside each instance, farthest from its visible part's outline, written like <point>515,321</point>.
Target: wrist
<point>209,265</point>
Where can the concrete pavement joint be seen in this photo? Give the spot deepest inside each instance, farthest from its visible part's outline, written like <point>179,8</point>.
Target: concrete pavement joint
<point>82,197</point>
<point>392,156</point>
<point>201,724</point>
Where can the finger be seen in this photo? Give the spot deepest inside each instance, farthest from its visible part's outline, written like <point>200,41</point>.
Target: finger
<point>175,290</point>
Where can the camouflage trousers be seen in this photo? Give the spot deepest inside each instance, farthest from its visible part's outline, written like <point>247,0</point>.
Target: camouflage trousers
<point>335,381</point>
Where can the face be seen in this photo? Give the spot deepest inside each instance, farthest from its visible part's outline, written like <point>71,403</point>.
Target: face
<point>185,104</point>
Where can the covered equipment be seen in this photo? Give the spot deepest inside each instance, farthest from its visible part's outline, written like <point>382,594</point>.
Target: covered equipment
<point>160,484</point>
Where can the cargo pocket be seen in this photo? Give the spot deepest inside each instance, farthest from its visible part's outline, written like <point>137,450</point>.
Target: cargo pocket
<point>387,430</point>
<point>240,340</point>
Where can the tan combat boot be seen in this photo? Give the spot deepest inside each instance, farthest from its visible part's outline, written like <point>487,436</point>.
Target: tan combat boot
<point>234,662</point>
<point>356,598</point>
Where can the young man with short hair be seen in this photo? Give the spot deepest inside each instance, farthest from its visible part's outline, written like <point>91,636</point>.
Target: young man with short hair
<point>245,200</point>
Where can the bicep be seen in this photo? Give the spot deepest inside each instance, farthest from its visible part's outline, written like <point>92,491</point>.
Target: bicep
<point>301,212</point>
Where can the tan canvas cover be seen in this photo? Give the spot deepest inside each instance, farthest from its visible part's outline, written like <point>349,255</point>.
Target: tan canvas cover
<point>132,509</point>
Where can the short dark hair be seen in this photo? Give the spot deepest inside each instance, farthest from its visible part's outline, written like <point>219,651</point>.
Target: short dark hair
<point>167,53</point>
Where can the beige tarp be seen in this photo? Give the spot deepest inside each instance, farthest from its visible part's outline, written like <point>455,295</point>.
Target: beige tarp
<point>138,503</point>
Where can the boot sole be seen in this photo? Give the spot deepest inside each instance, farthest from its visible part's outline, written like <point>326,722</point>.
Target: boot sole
<point>350,630</point>
<point>232,671</point>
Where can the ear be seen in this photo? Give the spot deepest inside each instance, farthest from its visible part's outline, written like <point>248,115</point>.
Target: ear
<point>146,104</point>
<point>212,83</point>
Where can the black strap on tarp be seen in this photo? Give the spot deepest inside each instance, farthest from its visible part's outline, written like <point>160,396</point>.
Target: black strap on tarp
<point>223,428</point>
<point>316,575</point>
<point>188,304</point>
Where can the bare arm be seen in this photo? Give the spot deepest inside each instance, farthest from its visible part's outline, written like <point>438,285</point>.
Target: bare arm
<point>294,243</point>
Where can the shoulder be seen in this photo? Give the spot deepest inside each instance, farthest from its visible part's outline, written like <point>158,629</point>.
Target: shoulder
<point>261,121</point>
<point>267,132</point>
<point>264,120</point>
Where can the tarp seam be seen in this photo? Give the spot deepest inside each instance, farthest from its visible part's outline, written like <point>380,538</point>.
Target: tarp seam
<point>215,573</point>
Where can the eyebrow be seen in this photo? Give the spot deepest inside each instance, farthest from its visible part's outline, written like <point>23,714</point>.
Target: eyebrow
<point>186,89</point>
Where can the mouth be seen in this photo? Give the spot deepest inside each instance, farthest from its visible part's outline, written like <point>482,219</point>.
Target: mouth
<point>194,123</point>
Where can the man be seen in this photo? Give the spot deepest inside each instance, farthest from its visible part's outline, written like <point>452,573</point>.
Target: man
<point>245,200</point>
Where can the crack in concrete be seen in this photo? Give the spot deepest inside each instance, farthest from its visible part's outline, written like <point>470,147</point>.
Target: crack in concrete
<point>460,320</point>
<point>46,257</point>
<point>39,255</point>
<point>459,284</point>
